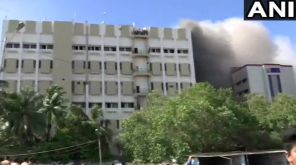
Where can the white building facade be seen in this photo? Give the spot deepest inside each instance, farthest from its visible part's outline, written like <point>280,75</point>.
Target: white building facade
<point>266,79</point>
<point>114,66</point>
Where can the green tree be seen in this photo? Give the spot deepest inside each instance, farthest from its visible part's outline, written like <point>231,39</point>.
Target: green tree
<point>275,115</point>
<point>200,119</point>
<point>54,106</point>
<point>19,113</point>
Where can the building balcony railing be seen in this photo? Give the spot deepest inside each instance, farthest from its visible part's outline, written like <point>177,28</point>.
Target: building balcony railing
<point>140,53</point>
<point>142,72</point>
<point>142,33</point>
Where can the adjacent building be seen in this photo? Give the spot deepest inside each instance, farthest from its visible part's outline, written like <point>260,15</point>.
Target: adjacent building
<point>113,66</point>
<point>266,79</point>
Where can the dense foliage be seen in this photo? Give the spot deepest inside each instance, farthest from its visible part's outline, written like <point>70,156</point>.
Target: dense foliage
<point>31,122</point>
<point>204,119</point>
<point>200,119</point>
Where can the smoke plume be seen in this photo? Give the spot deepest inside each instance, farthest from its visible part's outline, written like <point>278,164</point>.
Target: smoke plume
<point>219,46</point>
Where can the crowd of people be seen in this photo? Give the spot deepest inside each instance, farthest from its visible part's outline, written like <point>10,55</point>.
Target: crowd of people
<point>16,161</point>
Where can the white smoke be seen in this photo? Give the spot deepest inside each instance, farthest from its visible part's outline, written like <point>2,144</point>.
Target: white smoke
<point>232,43</point>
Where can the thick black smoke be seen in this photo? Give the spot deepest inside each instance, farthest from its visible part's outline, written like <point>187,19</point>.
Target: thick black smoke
<point>218,47</point>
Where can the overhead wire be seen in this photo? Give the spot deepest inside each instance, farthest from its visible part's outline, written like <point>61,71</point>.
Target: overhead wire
<point>53,150</point>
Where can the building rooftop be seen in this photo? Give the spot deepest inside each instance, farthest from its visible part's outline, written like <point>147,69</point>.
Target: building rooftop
<point>235,69</point>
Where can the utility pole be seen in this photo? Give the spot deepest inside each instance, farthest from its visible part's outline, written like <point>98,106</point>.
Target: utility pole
<point>5,41</point>
<point>99,145</point>
<point>87,108</point>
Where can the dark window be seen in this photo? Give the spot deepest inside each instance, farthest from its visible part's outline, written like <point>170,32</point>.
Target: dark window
<point>165,67</point>
<point>246,91</point>
<point>84,65</point>
<point>114,49</point>
<point>39,64</point>
<point>17,63</point>
<point>152,87</point>
<point>105,65</point>
<point>121,49</point>
<point>106,48</point>
<point>128,49</point>
<point>49,46</point>
<point>162,86</point>
<point>120,65</point>
<point>16,45</point>
<point>88,65</point>
<point>8,45</point>
<point>279,83</point>
<point>117,124</point>
<point>42,46</point>
<point>33,46</point>
<point>34,64</point>
<point>26,46</point>
<point>22,63</point>
<point>116,66</point>
<point>270,86</point>
<point>181,85</point>
<point>51,64</point>
<point>166,86</point>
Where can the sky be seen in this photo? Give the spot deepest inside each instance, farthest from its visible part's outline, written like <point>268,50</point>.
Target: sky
<point>223,15</point>
<point>162,13</point>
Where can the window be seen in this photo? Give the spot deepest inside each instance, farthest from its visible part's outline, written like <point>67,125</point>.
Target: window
<point>12,45</point>
<point>29,46</point>
<point>51,64</point>
<point>127,105</point>
<point>152,86</point>
<point>91,105</point>
<point>154,50</point>
<point>246,91</point>
<point>111,105</point>
<point>279,83</point>
<point>94,48</point>
<point>270,86</point>
<point>182,51</point>
<point>78,47</point>
<point>110,49</point>
<point>117,124</point>
<point>34,64</point>
<point>46,46</point>
<point>125,49</point>
<point>168,50</point>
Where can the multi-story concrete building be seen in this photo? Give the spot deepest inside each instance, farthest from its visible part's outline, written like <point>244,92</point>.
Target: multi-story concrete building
<point>114,66</point>
<point>266,79</point>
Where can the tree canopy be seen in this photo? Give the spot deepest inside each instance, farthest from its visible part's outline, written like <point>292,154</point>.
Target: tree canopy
<point>31,122</point>
<point>204,119</point>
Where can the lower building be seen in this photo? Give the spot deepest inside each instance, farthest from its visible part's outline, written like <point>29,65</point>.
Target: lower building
<point>265,79</point>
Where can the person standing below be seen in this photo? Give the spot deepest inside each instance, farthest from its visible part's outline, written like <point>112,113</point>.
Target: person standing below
<point>15,162</point>
<point>25,162</point>
<point>5,161</point>
<point>289,141</point>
